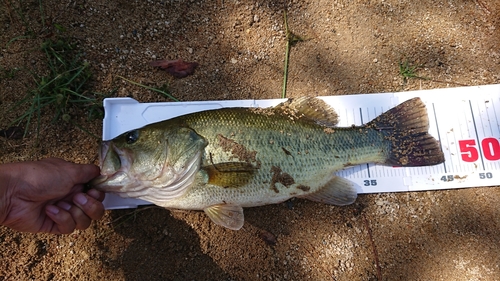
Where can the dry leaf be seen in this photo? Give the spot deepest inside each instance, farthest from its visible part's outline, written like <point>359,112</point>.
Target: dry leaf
<point>268,237</point>
<point>177,68</point>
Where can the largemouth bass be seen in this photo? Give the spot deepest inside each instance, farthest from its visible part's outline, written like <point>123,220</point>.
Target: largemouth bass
<point>223,160</point>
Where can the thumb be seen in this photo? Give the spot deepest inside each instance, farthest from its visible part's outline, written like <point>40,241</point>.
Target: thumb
<point>77,173</point>
<point>83,173</point>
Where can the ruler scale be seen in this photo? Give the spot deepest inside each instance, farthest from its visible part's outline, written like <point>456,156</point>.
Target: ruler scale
<point>465,120</point>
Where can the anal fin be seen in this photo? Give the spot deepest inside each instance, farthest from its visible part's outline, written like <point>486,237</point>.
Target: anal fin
<point>230,216</point>
<point>338,191</point>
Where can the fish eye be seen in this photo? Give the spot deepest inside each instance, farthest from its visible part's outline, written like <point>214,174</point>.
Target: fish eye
<point>132,136</point>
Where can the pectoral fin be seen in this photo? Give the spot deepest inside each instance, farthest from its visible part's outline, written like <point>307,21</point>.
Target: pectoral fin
<point>230,216</point>
<point>229,175</point>
<point>338,191</point>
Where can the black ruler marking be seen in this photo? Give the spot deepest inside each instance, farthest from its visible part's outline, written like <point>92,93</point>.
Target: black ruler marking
<point>489,119</point>
<point>363,122</point>
<point>439,134</point>
<point>494,111</point>
<point>477,135</point>
<point>492,101</point>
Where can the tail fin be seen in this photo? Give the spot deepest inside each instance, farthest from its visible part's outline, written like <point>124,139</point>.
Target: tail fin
<point>406,126</point>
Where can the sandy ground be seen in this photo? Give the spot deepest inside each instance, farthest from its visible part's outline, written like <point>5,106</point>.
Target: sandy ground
<point>352,47</point>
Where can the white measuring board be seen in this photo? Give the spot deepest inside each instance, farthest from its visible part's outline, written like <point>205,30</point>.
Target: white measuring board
<point>465,120</point>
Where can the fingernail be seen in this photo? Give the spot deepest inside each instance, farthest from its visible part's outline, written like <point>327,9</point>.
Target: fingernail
<point>52,209</point>
<point>81,199</point>
<point>64,205</point>
<point>93,193</point>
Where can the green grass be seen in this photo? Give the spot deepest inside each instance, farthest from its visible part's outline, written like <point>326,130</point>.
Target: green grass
<point>408,71</point>
<point>16,11</point>
<point>62,90</point>
<point>8,73</point>
<point>291,40</point>
<point>164,89</point>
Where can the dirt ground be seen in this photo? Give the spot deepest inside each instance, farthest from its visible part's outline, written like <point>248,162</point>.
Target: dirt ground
<point>351,47</point>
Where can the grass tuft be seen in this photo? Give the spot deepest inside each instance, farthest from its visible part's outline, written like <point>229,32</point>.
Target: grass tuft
<point>63,89</point>
<point>408,71</point>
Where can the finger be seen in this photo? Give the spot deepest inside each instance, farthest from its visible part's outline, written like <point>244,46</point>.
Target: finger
<point>83,173</point>
<point>63,221</point>
<point>79,173</point>
<point>82,221</point>
<point>96,194</point>
<point>90,206</point>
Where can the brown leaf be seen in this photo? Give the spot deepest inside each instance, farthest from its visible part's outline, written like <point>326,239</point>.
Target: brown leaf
<point>177,68</point>
<point>268,237</point>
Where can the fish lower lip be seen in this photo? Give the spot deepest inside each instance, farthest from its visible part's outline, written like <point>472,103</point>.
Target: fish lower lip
<point>98,180</point>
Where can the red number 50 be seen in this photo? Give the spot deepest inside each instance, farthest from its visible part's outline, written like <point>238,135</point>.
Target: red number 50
<point>470,153</point>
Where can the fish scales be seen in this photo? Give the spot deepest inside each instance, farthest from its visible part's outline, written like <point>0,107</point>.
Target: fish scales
<point>314,153</point>
<point>223,160</point>
<point>270,134</point>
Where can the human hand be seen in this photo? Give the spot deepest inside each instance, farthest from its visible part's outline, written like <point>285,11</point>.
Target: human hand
<point>47,196</point>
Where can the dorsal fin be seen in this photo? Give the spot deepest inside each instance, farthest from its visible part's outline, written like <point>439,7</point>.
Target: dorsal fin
<point>311,108</point>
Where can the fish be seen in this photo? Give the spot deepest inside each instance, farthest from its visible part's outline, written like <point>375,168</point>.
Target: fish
<point>223,160</point>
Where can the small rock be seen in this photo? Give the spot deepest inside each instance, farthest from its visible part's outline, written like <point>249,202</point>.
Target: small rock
<point>233,60</point>
<point>85,255</point>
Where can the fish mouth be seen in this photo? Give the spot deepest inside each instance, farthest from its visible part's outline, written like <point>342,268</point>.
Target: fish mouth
<point>98,180</point>
<point>110,168</point>
<point>118,176</point>
<point>103,150</point>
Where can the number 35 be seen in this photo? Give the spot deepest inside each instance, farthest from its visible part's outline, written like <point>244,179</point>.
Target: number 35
<point>370,182</point>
